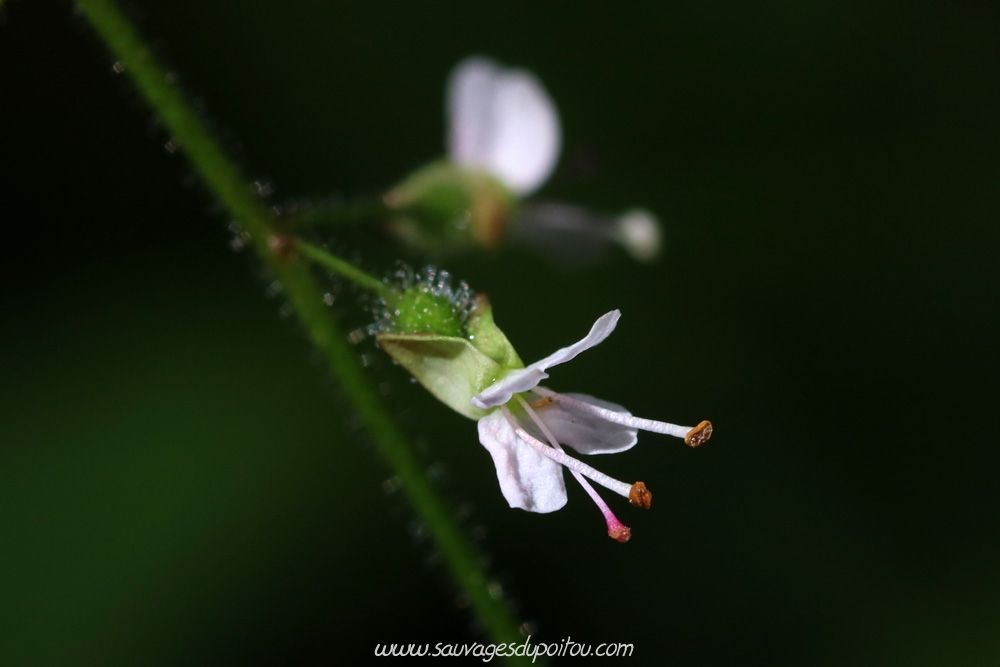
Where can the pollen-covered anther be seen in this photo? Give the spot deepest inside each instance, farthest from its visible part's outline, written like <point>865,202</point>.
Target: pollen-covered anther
<point>621,533</point>
<point>699,435</point>
<point>640,496</point>
<point>543,402</point>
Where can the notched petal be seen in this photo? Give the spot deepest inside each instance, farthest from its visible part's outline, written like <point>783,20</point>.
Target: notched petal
<point>528,480</point>
<point>602,328</point>
<point>585,432</point>
<point>504,121</point>
<point>501,391</point>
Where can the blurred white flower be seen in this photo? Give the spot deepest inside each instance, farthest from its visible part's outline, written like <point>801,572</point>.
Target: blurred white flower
<point>504,139</point>
<point>502,121</point>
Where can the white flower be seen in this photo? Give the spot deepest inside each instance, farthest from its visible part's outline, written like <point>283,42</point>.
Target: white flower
<point>502,120</point>
<point>528,424</point>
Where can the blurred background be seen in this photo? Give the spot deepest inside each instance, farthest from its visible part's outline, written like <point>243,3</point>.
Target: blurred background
<point>180,482</point>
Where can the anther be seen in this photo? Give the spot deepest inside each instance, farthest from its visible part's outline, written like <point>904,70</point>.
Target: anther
<point>543,402</point>
<point>640,496</point>
<point>699,435</point>
<point>621,532</point>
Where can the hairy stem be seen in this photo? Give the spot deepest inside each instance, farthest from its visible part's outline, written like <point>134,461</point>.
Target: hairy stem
<point>339,215</point>
<point>344,269</point>
<point>300,288</point>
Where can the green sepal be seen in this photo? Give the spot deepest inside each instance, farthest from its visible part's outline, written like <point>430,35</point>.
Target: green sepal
<point>487,337</point>
<point>450,368</point>
<point>455,369</point>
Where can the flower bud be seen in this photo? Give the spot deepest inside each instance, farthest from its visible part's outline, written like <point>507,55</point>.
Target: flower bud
<point>445,207</point>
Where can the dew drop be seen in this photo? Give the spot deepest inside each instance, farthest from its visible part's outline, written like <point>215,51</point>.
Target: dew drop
<point>437,472</point>
<point>391,485</point>
<point>118,67</point>
<point>465,510</point>
<point>417,531</point>
<point>262,188</point>
<point>172,145</point>
<point>356,336</point>
<point>273,289</point>
<point>328,299</point>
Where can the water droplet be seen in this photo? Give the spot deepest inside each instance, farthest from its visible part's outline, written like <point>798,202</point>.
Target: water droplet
<point>273,290</point>
<point>437,471</point>
<point>172,145</point>
<point>464,511</point>
<point>118,67</point>
<point>417,531</point>
<point>391,485</point>
<point>356,336</point>
<point>262,188</point>
<point>495,590</point>
<point>328,299</point>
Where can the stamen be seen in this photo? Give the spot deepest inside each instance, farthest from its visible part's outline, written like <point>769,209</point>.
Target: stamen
<point>699,435</point>
<point>640,496</point>
<point>627,420</point>
<point>616,529</point>
<point>562,458</point>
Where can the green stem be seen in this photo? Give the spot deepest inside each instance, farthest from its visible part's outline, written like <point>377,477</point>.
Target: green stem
<point>338,215</point>
<point>304,294</point>
<point>345,269</point>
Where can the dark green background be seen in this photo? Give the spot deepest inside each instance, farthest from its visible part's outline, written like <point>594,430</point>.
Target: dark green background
<point>180,483</point>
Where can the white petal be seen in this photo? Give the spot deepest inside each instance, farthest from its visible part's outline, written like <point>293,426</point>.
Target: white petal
<point>527,479</point>
<point>602,328</point>
<point>503,389</point>
<point>583,431</point>
<point>528,378</point>
<point>526,136</point>
<point>469,97</point>
<point>502,121</point>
